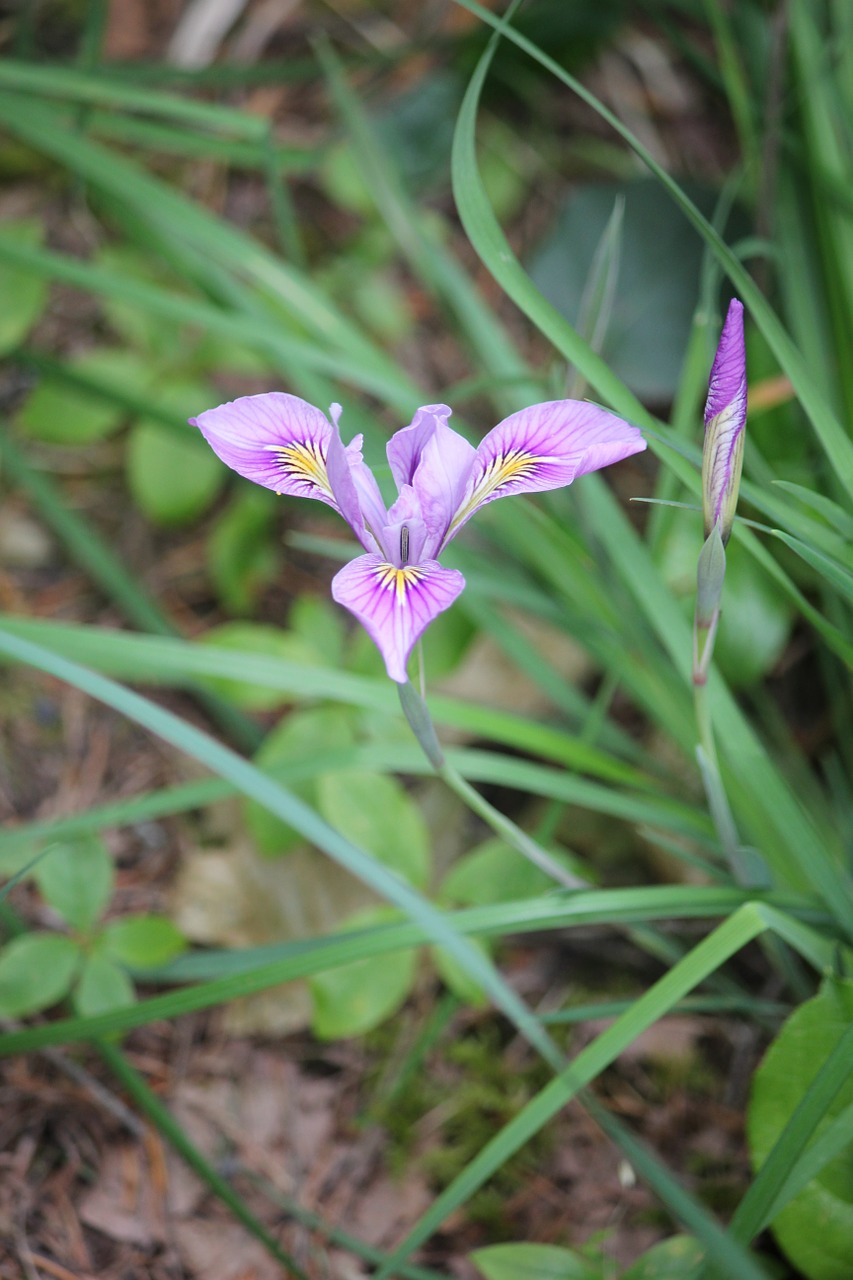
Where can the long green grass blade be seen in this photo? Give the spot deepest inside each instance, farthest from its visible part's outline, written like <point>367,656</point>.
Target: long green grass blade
<point>229,975</point>
<point>149,659</point>
<point>254,784</point>
<point>729,938</point>
<point>490,243</point>
<point>761,1202</point>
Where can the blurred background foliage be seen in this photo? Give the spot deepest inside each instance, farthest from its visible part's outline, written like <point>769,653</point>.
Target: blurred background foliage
<point>374,204</point>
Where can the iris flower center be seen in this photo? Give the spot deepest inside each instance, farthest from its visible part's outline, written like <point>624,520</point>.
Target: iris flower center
<point>398,580</point>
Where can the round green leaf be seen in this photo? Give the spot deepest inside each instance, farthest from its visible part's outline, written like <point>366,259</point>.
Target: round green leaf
<point>173,478</point>
<point>24,294</point>
<point>36,970</point>
<point>267,642</point>
<point>678,1258</point>
<point>76,879</point>
<point>174,475</point>
<point>816,1228</point>
<point>494,872</point>
<point>102,986</point>
<point>533,1262</point>
<point>377,814</point>
<point>355,998</point>
<point>306,735</point>
<point>142,942</point>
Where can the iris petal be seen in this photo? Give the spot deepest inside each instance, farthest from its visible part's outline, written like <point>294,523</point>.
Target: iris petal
<point>276,440</point>
<point>395,605</point>
<point>545,447</point>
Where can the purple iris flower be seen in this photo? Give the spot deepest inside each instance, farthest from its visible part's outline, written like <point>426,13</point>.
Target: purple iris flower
<point>398,587</point>
<point>725,419</point>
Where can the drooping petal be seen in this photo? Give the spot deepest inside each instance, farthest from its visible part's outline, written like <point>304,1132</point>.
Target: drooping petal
<point>276,440</point>
<point>725,419</point>
<point>395,605</point>
<point>545,447</point>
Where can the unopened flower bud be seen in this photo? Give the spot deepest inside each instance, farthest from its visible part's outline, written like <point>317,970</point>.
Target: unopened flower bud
<point>725,419</point>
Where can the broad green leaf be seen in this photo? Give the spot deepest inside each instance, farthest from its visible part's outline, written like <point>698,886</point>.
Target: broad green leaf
<point>59,414</point>
<point>494,872</point>
<point>377,813</point>
<point>320,624</point>
<point>660,262</point>
<point>36,970</point>
<point>24,294</point>
<point>533,1262</point>
<point>267,642</point>
<point>76,879</point>
<point>142,942</point>
<point>355,998</point>
<point>173,478</point>
<point>816,1228</point>
<point>242,557</point>
<point>318,734</point>
<point>678,1258</point>
<point>103,986</point>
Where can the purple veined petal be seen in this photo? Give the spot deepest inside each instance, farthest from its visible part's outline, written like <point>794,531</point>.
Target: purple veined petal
<point>545,447</point>
<point>342,468</point>
<point>395,605</point>
<point>436,461</point>
<point>441,481</point>
<point>404,448</point>
<point>276,440</point>
<point>727,380</point>
<point>725,419</point>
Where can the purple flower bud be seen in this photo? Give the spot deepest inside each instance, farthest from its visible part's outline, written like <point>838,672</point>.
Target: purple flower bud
<point>725,419</point>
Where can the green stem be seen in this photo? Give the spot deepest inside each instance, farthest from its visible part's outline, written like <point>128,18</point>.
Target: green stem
<point>421,724</point>
<point>709,767</point>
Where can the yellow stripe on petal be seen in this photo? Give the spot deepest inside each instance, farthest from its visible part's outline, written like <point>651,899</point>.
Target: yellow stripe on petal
<point>398,580</point>
<point>305,463</point>
<point>515,464</point>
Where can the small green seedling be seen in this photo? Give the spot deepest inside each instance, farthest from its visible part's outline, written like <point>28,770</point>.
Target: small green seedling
<point>93,961</point>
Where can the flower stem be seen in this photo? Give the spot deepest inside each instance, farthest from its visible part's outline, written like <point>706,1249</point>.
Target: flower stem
<point>709,767</point>
<point>416,712</point>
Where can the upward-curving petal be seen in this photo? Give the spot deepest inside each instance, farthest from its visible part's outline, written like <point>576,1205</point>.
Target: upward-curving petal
<point>545,447</point>
<point>405,446</point>
<point>276,440</point>
<point>395,605</point>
